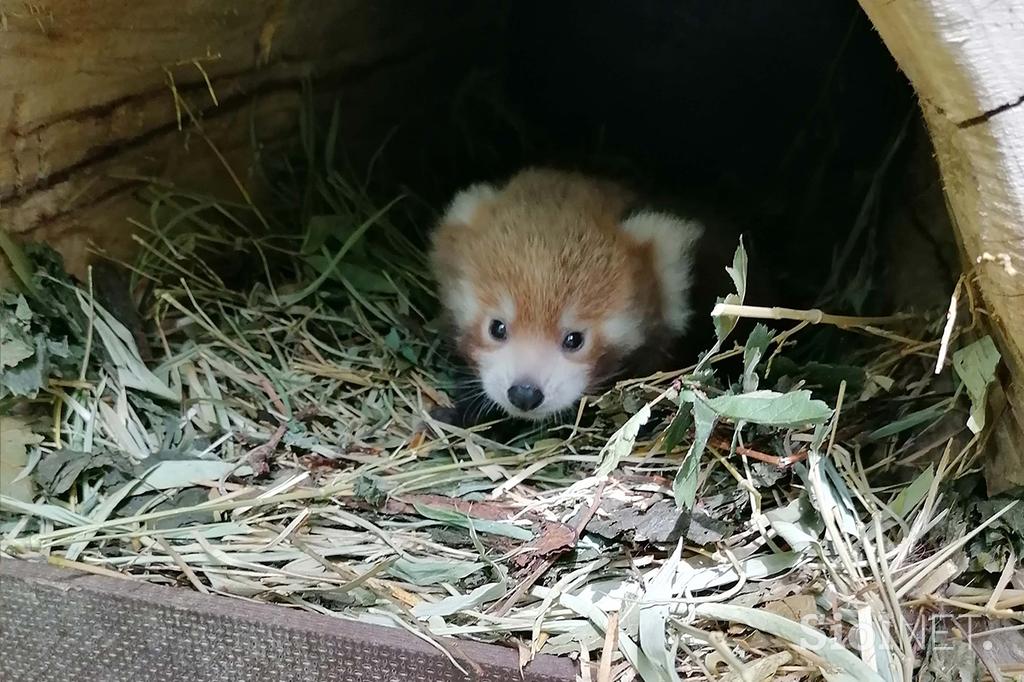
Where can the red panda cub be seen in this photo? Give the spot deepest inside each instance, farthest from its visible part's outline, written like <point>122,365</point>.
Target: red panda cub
<point>555,283</point>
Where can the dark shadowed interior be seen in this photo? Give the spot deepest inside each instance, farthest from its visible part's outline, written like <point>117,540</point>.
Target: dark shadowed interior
<point>790,117</point>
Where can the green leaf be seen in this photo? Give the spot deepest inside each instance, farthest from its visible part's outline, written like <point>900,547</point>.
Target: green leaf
<point>366,280</point>
<point>584,605</point>
<point>976,366</point>
<point>53,512</point>
<point>738,271</point>
<point>460,520</point>
<point>319,229</point>
<point>428,572</point>
<point>410,354</point>
<point>836,495</point>
<point>22,311</point>
<point>913,419</point>
<point>350,242</point>
<point>182,473</point>
<point>909,497</point>
<point>753,351</point>
<point>724,324</point>
<point>393,340</point>
<point>771,408</point>
<point>621,443</point>
<point>684,487</point>
<point>704,577</point>
<point>681,423</point>
<point>826,375</point>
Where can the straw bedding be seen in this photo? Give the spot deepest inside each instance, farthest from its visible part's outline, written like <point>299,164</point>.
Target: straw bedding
<point>262,431</point>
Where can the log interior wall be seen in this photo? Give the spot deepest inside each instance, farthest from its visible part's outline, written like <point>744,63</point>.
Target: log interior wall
<point>966,61</point>
<point>97,96</point>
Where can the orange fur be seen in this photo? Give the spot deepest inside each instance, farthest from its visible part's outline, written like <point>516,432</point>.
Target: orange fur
<point>548,247</point>
<point>551,241</point>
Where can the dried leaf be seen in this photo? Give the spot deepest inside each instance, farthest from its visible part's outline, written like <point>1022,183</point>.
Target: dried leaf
<point>124,353</point>
<point>706,530</point>
<point>26,378</point>
<point>15,344</point>
<point>796,607</point>
<point>188,472</point>
<point>15,439</point>
<point>59,470</point>
<point>848,667</point>
<point>950,659</point>
<point>760,669</point>
<point>462,602</point>
<point>655,605</point>
<point>797,523</point>
<point>553,537</point>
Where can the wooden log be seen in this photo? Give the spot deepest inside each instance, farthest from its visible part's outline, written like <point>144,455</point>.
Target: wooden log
<point>965,59</point>
<point>95,95</point>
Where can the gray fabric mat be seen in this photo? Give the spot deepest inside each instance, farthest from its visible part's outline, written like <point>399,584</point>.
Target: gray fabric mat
<point>57,624</point>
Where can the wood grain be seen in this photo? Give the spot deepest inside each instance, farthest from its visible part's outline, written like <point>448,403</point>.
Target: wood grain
<point>965,59</point>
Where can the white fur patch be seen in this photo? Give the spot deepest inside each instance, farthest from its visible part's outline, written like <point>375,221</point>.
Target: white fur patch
<point>466,203</point>
<point>462,302</point>
<point>623,331</point>
<point>674,240</point>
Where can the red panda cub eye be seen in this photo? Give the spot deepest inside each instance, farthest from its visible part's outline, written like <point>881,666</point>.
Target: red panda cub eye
<point>497,330</point>
<point>585,281</point>
<point>573,341</point>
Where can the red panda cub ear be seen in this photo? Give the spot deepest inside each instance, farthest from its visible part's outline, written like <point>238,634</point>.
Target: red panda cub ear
<point>448,253</point>
<point>466,204</point>
<point>673,241</point>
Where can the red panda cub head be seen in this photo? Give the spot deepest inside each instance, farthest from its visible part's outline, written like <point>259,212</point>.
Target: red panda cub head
<point>551,282</point>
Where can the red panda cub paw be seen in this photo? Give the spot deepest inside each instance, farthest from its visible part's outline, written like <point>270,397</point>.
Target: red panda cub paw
<point>553,280</point>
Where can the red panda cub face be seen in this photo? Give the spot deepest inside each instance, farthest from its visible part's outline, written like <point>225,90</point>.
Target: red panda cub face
<point>532,368</point>
<point>550,284</point>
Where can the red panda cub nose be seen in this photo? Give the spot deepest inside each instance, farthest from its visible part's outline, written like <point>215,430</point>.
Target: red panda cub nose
<point>553,281</point>
<point>525,396</point>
